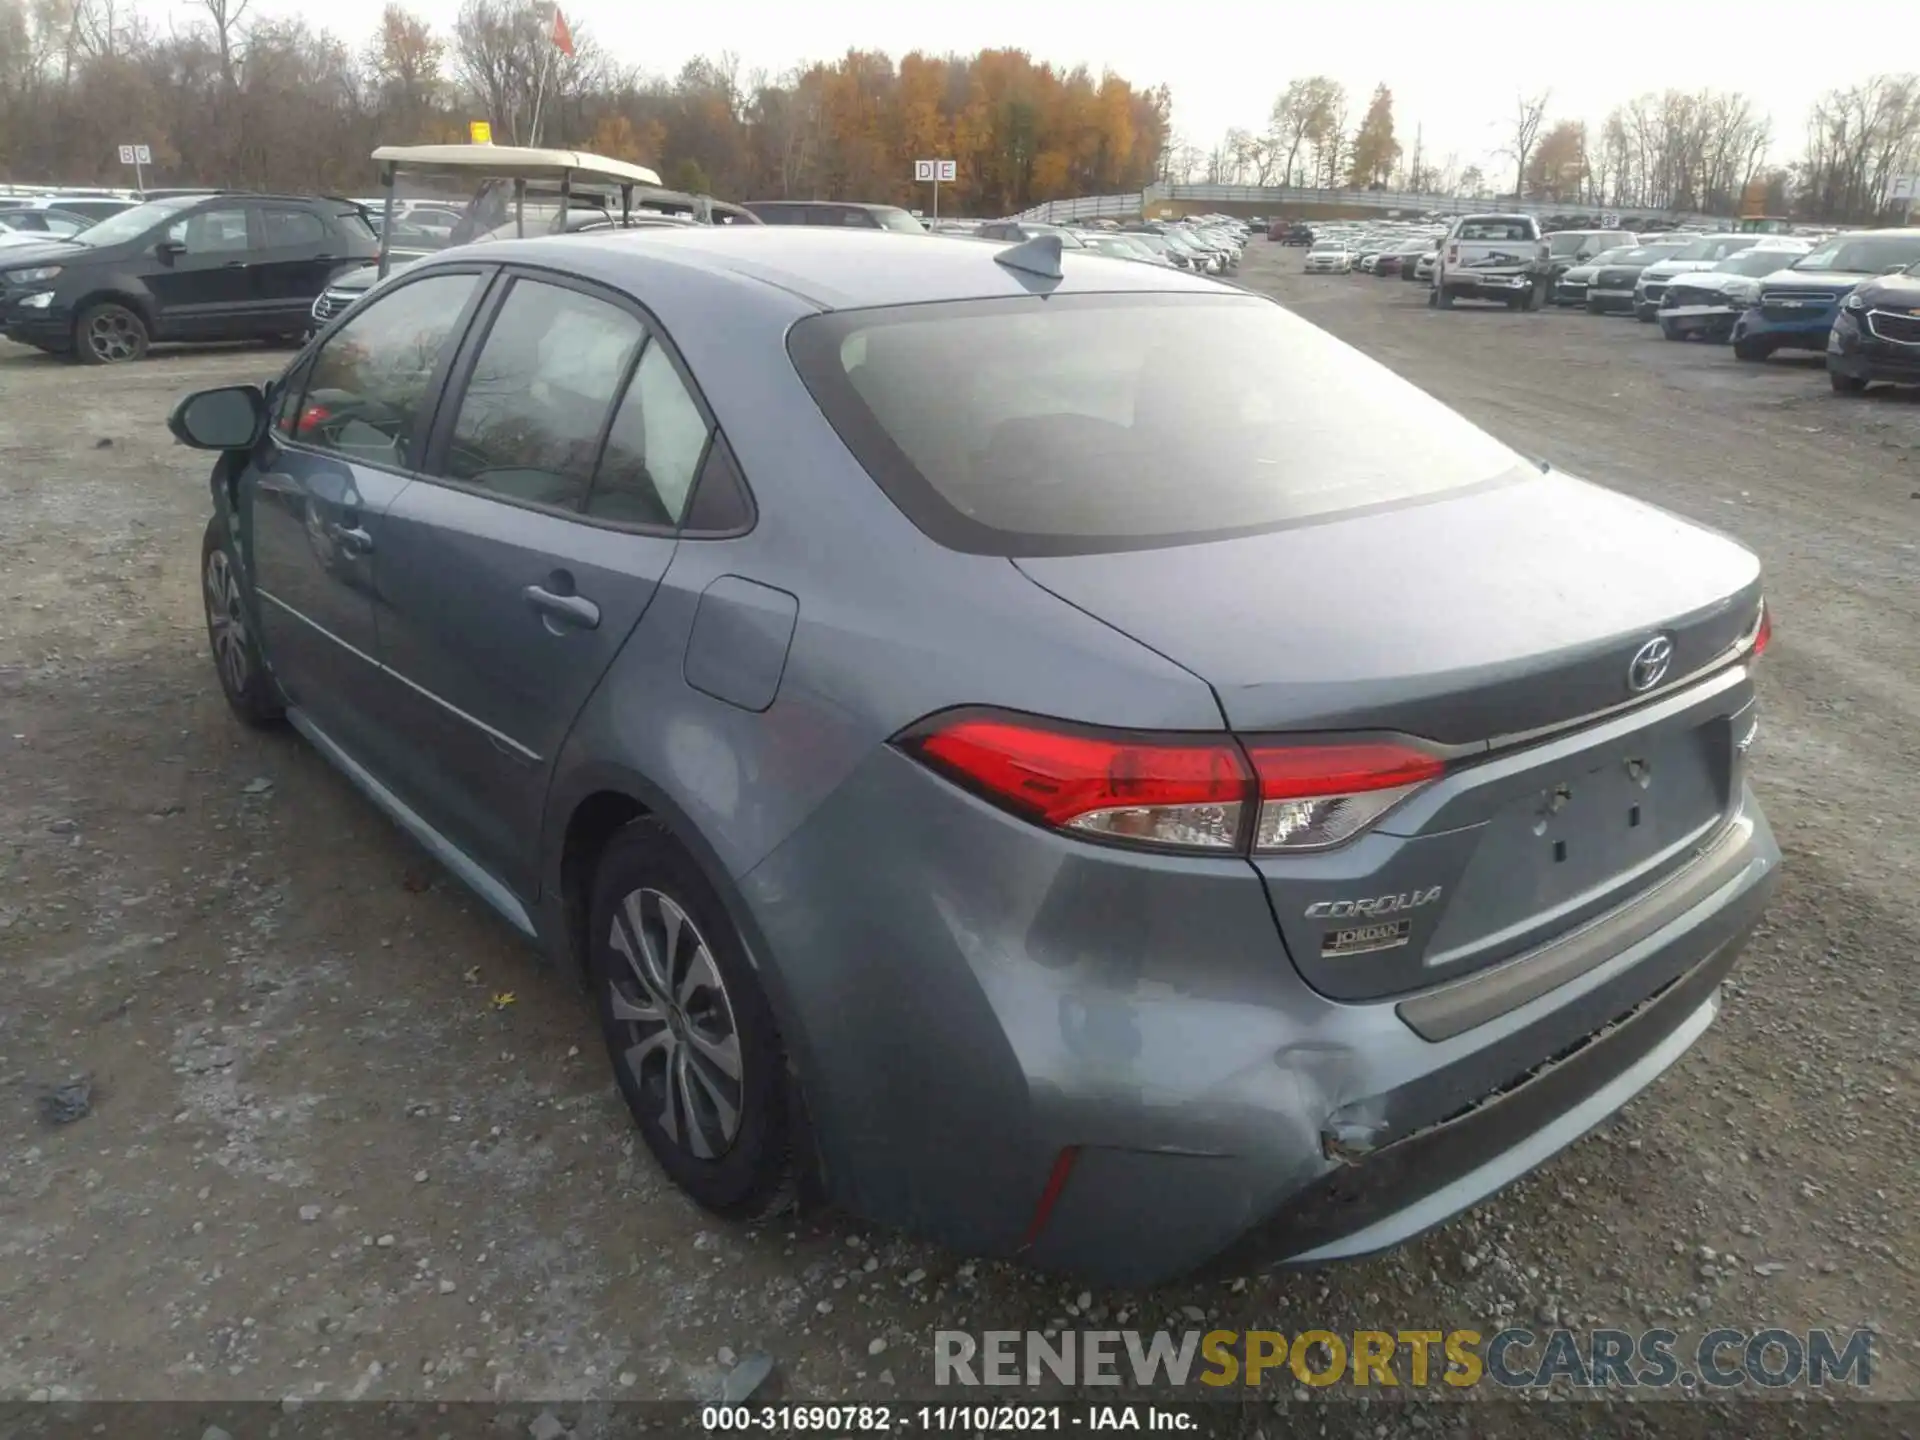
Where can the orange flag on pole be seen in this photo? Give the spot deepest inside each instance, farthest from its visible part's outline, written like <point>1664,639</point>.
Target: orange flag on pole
<point>562,36</point>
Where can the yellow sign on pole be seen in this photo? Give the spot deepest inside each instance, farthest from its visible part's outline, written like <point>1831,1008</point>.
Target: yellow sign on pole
<point>480,132</point>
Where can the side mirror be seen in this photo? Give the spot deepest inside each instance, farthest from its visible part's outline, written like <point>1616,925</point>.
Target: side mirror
<point>167,249</point>
<point>230,418</point>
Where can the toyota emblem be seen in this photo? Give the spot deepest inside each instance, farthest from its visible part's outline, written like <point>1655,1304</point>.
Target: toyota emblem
<point>1649,664</point>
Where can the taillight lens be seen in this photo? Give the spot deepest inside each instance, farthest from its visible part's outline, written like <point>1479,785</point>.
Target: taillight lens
<point>1182,792</point>
<point>1314,796</point>
<point>1762,630</point>
<point>1187,794</point>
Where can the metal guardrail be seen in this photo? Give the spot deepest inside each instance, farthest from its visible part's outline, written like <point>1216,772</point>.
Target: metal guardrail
<point>1280,197</point>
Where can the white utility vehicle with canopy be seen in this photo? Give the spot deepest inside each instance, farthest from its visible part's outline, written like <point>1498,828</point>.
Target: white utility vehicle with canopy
<point>516,191</point>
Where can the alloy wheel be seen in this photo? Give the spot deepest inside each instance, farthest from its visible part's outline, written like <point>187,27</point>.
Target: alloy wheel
<point>682,1045</point>
<point>227,621</point>
<point>110,335</point>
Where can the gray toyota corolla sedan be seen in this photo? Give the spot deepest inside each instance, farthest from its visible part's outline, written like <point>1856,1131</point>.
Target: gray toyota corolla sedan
<point>1053,754</point>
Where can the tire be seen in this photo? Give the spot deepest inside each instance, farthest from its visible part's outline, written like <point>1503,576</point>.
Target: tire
<point>250,691</point>
<point>109,334</point>
<point>1594,307</point>
<point>1846,384</point>
<point>1516,302</point>
<point>679,1091</point>
<point>1752,351</point>
<point>1673,335</point>
<point>1645,317</point>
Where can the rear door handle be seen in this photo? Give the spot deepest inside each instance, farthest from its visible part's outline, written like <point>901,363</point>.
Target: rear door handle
<point>572,610</point>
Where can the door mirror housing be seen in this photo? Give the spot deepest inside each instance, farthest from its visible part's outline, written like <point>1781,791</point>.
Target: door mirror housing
<point>230,418</point>
<point>167,249</point>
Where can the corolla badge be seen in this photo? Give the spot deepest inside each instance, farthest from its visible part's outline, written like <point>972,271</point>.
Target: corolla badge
<point>1375,906</point>
<point>1649,664</point>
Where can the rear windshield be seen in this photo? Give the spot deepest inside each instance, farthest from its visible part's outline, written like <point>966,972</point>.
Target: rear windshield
<point>1495,228</point>
<point>1084,423</point>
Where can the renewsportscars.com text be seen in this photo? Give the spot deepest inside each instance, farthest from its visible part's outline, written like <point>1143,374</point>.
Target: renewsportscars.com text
<point>1513,1358</point>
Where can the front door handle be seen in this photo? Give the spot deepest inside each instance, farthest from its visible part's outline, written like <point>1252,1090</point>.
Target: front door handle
<point>351,539</point>
<point>575,611</point>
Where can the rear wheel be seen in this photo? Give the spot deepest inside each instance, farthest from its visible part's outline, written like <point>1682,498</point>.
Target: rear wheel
<point>1751,350</point>
<point>692,1038</point>
<point>1672,334</point>
<point>1594,307</point>
<point>1846,384</point>
<point>109,334</point>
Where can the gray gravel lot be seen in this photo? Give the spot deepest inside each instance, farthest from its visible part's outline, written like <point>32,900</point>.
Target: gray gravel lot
<point>347,1139</point>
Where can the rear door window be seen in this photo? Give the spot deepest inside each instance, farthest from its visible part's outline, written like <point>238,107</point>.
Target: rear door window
<point>537,402</point>
<point>654,449</point>
<point>284,228</point>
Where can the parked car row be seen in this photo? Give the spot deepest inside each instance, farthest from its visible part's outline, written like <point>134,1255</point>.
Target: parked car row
<point>1853,296</point>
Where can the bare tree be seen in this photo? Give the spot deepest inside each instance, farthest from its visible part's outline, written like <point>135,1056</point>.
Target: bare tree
<point>224,16</point>
<point>1529,113</point>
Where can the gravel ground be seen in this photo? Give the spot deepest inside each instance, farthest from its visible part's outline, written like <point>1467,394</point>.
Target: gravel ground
<point>347,1139</point>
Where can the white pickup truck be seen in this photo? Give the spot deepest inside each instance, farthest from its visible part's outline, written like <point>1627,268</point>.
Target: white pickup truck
<point>1493,257</point>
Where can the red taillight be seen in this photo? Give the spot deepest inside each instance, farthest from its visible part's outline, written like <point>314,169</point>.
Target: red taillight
<point>310,417</point>
<point>1763,630</point>
<point>1186,792</point>
<point>1313,796</point>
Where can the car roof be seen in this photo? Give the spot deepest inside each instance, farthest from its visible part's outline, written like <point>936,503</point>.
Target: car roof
<point>839,269</point>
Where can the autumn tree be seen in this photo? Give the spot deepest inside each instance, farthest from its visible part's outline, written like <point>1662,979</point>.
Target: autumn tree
<point>1375,151</point>
<point>1558,167</point>
<point>1302,117</point>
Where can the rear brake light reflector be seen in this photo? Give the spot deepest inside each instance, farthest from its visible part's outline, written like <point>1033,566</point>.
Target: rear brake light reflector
<point>1187,794</point>
<point>1316,796</point>
<point>1762,631</point>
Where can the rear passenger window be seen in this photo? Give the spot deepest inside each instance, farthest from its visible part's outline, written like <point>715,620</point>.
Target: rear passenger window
<point>654,450</point>
<point>369,380</point>
<point>530,421</point>
<point>291,229</point>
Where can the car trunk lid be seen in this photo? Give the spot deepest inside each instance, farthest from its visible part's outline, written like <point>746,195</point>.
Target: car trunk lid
<point>1503,626</point>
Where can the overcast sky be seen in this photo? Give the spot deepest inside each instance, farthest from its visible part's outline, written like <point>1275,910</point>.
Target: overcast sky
<point>1454,71</point>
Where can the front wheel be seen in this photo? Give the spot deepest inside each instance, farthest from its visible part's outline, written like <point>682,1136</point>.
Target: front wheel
<point>109,334</point>
<point>1846,384</point>
<point>244,680</point>
<point>1751,350</point>
<point>694,1046</point>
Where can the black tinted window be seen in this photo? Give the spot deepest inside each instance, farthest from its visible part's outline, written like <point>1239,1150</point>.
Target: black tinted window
<point>530,420</point>
<point>369,381</point>
<point>1495,230</point>
<point>654,450</point>
<point>1080,423</point>
<point>285,229</point>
